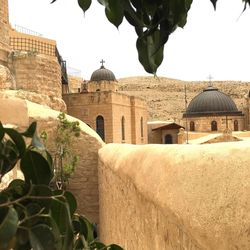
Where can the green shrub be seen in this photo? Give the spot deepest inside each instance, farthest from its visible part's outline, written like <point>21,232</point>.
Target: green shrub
<point>32,214</point>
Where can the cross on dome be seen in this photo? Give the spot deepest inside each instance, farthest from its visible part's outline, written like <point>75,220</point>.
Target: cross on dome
<point>102,62</point>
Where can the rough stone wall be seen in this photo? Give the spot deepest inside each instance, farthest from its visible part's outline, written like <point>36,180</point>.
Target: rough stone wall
<point>94,86</point>
<point>4,31</point>
<point>175,196</point>
<point>203,124</point>
<point>84,182</point>
<point>7,80</point>
<point>38,79</point>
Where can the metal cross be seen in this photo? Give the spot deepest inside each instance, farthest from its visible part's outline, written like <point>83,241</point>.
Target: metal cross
<point>210,80</point>
<point>226,121</point>
<point>102,62</point>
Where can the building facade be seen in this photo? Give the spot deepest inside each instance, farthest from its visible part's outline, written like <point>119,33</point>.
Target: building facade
<point>213,111</point>
<point>116,117</point>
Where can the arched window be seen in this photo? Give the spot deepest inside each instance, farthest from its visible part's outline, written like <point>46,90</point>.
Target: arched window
<point>100,126</point>
<point>214,126</point>
<point>192,126</point>
<point>236,125</point>
<point>123,128</point>
<point>168,139</point>
<point>141,127</point>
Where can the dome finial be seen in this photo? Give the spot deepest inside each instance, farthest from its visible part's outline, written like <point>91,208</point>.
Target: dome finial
<point>210,77</point>
<point>102,62</point>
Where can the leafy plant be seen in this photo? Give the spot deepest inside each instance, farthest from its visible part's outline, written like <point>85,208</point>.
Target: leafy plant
<point>32,215</point>
<point>153,21</point>
<point>64,156</point>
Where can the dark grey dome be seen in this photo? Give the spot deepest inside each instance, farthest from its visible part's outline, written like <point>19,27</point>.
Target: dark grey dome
<point>102,74</point>
<point>212,102</point>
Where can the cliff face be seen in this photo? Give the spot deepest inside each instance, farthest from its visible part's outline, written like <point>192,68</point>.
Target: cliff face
<point>166,97</point>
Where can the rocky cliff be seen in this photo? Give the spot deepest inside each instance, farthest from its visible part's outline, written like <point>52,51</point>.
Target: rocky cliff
<point>166,97</point>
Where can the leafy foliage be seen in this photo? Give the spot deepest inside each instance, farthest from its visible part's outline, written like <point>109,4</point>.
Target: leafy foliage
<point>32,214</point>
<point>153,21</point>
<point>65,158</point>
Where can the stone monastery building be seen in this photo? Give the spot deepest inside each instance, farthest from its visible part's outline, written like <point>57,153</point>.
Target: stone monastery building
<point>214,111</point>
<point>116,117</point>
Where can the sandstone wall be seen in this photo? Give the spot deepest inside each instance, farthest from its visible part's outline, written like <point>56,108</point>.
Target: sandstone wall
<point>84,183</point>
<point>38,79</point>
<point>175,196</point>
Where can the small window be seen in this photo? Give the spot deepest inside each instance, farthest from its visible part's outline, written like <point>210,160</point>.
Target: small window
<point>236,125</point>
<point>192,126</point>
<point>100,126</point>
<point>123,128</point>
<point>142,127</point>
<point>214,126</point>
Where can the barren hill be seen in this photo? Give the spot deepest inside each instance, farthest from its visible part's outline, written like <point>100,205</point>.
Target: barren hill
<point>166,97</point>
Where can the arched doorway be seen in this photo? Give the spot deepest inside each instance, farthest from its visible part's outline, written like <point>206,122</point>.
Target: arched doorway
<point>236,125</point>
<point>168,139</point>
<point>192,126</point>
<point>214,126</point>
<point>100,126</point>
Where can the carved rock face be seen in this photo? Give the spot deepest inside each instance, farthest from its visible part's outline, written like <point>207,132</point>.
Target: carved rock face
<point>7,81</point>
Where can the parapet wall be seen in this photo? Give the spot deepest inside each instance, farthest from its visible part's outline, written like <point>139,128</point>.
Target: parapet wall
<point>175,196</point>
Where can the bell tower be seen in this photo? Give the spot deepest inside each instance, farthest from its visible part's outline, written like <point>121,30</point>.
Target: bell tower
<point>4,31</point>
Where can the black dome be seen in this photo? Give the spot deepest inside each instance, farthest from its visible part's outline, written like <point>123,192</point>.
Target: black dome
<point>102,74</point>
<point>212,102</point>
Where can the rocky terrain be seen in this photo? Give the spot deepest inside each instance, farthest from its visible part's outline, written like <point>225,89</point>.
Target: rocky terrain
<point>166,97</point>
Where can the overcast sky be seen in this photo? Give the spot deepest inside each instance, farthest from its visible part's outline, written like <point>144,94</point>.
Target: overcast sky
<point>215,43</point>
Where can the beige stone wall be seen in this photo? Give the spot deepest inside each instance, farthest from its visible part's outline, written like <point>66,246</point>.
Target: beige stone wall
<point>94,86</point>
<point>87,106</point>
<point>175,196</point>
<point>203,124</point>
<point>84,183</point>
<point>4,31</point>
<point>75,84</point>
<point>139,111</point>
<point>112,106</point>
<point>38,78</point>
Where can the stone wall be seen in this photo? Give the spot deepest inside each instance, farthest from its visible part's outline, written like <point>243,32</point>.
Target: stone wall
<point>175,196</point>
<point>38,79</point>
<point>203,124</point>
<point>112,106</point>
<point>75,84</point>
<point>84,182</point>
<point>4,31</point>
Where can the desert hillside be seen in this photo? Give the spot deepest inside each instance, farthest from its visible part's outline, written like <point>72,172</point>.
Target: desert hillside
<point>166,97</point>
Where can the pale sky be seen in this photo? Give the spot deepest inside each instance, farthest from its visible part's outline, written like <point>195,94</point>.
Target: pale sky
<point>215,43</point>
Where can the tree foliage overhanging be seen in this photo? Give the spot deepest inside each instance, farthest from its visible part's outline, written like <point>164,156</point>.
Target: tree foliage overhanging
<point>153,20</point>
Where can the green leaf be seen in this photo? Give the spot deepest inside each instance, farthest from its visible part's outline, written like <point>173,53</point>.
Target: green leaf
<point>35,168</point>
<point>150,52</point>
<point>84,4</point>
<point>114,247</point>
<point>61,214</point>
<point>87,229</point>
<point>71,201</point>
<point>42,238</point>
<point>30,131</point>
<point>214,3</point>
<point>17,139</point>
<point>8,225</point>
<point>115,12</point>
<point>2,132</point>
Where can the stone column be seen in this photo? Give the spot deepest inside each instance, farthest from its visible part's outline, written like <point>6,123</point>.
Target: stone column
<point>4,32</point>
